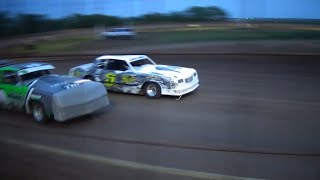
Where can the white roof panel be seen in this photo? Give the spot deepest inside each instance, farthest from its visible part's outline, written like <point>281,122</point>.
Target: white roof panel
<point>128,58</point>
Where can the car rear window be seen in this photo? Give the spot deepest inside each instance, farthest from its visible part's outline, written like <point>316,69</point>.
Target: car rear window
<point>34,75</point>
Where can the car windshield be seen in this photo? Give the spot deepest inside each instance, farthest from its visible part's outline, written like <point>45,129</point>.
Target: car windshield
<point>35,74</point>
<point>141,62</point>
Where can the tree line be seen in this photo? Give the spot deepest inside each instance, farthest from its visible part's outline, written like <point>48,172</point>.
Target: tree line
<point>35,23</point>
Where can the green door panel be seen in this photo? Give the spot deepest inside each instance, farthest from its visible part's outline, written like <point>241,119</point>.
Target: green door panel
<point>14,96</point>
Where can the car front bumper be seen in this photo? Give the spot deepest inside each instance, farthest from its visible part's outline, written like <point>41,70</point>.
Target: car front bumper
<point>181,90</point>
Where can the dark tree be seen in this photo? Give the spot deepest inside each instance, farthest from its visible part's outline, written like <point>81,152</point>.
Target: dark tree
<point>198,13</point>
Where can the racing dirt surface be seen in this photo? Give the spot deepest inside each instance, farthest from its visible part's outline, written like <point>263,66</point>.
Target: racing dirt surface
<point>252,116</point>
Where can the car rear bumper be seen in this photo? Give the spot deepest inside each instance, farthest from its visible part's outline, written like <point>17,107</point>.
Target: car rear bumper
<point>78,101</point>
<point>87,107</point>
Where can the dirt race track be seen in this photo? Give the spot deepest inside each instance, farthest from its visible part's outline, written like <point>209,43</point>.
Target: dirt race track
<point>252,116</point>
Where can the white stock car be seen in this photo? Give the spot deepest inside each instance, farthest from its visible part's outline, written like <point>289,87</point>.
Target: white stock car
<point>127,33</point>
<point>138,74</point>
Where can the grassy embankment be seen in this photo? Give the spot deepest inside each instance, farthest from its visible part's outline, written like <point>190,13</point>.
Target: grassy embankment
<point>186,34</point>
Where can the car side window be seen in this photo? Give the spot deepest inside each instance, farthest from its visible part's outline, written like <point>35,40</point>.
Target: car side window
<point>10,77</point>
<point>117,65</point>
<point>101,63</point>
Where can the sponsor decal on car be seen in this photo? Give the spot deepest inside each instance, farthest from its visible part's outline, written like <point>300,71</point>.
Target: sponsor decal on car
<point>35,97</point>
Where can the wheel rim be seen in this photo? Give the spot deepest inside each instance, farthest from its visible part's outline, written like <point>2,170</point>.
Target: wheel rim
<point>38,112</point>
<point>151,90</point>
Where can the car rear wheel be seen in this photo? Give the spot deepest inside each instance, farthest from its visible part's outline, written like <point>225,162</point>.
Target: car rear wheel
<point>39,113</point>
<point>152,90</point>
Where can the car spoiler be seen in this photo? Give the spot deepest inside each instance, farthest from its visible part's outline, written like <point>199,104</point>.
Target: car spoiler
<point>4,63</point>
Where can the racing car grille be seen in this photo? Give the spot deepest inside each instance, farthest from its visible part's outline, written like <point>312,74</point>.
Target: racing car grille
<point>189,79</point>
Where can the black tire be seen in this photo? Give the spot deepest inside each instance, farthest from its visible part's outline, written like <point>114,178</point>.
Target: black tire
<point>152,90</point>
<point>39,113</point>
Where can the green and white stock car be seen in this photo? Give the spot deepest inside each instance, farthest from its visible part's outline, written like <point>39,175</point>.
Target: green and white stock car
<point>31,87</point>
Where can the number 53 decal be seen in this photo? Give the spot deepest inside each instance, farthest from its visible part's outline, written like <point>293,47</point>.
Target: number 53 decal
<point>111,79</point>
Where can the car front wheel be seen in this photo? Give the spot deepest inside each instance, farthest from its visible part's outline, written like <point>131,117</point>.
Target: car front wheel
<point>152,90</point>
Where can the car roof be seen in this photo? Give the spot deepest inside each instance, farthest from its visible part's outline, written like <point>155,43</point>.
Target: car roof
<point>24,68</point>
<point>29,65</point>
<point>128,58</point>
<point>122,28</point>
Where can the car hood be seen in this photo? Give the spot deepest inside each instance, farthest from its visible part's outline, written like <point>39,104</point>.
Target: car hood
<point>175,72</point>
